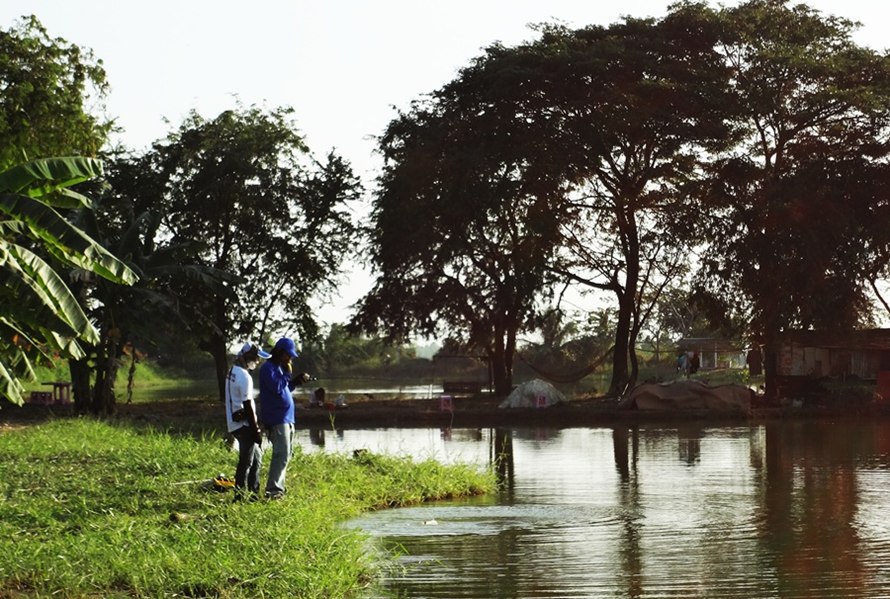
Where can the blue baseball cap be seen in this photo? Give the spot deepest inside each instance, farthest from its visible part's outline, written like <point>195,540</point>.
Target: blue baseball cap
<point>288,346</point>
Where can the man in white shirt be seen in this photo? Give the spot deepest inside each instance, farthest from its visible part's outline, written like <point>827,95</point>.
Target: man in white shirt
<point>241,418</point>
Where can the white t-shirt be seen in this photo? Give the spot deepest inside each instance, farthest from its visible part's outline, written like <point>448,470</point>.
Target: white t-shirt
<point>239,390</point>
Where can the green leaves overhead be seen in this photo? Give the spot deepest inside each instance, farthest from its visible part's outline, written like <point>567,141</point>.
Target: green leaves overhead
<point>28,194</point>
<point>39,314</point>
<point>24,274</point>
<point>51,91</point>
<point>50,178</point>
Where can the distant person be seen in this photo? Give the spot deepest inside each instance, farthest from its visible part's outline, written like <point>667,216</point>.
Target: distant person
<point>754,359</point>
<point>317,399</point>
<point>682,363</point>
<point>277,411</point>
<point>241,420</point>
<point>694,363</point>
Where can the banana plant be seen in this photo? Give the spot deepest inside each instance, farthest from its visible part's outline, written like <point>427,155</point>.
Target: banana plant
<point>135,314</point>
<point>39,316</point>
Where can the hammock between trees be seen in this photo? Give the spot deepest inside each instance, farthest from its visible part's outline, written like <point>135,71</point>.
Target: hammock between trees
<point>570,377</point>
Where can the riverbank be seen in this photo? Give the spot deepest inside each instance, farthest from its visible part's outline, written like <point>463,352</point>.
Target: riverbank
<point>201,414</point>
<point>102,509</point>
<point>484,411</point>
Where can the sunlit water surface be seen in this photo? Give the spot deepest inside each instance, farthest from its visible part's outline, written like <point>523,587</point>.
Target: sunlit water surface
<point>786,510</point>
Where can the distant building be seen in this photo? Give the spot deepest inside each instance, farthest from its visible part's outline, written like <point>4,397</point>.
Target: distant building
<point>816,354</point>
<point>714,352</point>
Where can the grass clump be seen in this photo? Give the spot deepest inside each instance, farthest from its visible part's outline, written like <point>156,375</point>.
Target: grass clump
<point>88,509</point>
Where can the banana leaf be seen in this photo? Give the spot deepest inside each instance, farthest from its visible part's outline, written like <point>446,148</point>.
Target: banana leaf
<point>64,240</point>
<point>41,178</point>
<point>41,294</point>
<point>10,387</point>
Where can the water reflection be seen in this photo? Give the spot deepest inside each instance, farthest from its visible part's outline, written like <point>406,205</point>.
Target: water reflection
<point>502,459</point>
<point>316,436</point>
<point>788,509</point>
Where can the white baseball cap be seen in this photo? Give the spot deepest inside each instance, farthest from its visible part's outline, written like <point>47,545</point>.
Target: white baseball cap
<point>248,346</point>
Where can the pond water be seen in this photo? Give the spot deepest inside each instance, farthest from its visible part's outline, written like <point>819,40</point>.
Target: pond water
<point>785,509</point>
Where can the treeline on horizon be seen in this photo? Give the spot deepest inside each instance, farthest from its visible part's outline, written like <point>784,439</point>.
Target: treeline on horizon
<point>716,171</point>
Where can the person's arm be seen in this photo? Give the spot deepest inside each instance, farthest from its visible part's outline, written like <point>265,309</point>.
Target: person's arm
<point>298,380</point>
<point>251,418</point>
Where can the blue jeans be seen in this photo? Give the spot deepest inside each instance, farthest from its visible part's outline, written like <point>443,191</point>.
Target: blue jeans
<point>250,456</point>
<point>281,436</point>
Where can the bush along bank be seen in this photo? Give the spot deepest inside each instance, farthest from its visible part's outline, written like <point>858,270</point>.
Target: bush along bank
<point>92,509</point>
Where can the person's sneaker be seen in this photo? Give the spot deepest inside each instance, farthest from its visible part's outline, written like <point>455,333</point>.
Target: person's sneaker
<point>275,496</point>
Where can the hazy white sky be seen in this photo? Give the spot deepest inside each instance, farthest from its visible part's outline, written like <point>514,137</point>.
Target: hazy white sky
<point>343,65</point>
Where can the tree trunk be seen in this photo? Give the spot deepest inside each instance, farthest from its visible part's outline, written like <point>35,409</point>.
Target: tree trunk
<point>627,297</point>
<point>80,385</point>
<point>620,375</point>
<point>770,357</point>
<point>80,371</point>
<point>217,348</point>
<point>634,364</point>
<point>107,363</point>
<point>501,360</point>
<point>770,368</point>
<point>216,345</point>
<point>501,372</point>
<point>632,354</point>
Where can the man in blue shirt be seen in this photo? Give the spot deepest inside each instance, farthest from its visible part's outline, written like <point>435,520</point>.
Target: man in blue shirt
<point>277,410</point>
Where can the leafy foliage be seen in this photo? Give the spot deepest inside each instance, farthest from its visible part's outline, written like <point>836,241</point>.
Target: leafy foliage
<point>460,236</point>
<point>556,158</point>
<point>51,91</point>
<point>796,210</point>
<point>242,192</point>
<point>40,315</point>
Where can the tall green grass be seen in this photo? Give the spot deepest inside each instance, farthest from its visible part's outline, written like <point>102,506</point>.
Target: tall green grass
<point>89,509</point>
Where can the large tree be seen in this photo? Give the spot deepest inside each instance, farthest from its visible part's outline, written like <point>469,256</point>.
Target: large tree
<point>642,109</point>
<point>132,320</point>
<point>461,226</point>
<point>40,315</point>
<point>575,148</point>
<point>52,96</point>
<point>798,208</point>
<point>51,105</point>
<point>243,186</point>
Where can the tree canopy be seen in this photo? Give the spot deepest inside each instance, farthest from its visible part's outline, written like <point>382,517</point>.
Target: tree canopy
<point>750,141</point>
<point>244,190</point>
<point>556,159</point>
<point>795,210</point>
<point>53,94</point>
<point>40,315</point>
<point>461,229</point>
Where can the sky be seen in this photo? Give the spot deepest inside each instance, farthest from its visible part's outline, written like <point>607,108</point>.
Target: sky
<point>345,66</point>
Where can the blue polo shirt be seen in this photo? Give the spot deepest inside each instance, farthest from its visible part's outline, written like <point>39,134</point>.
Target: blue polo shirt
<point>276,401</point>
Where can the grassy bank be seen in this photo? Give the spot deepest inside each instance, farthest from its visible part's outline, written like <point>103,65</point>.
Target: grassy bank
<point>89,509</point>
<point>149,374</point>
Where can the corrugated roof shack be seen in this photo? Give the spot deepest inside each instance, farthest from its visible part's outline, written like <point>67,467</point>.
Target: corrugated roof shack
<point>714,352</point>
<point>815,354</point>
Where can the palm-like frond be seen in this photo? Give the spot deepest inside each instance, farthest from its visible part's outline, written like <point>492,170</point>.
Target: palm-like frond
<point>39,314</point>
<point>63,240</point>
<point>46,299</point>
<point>50,178</point>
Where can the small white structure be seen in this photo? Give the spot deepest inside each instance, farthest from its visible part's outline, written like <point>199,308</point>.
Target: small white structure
<point>533,394</point>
